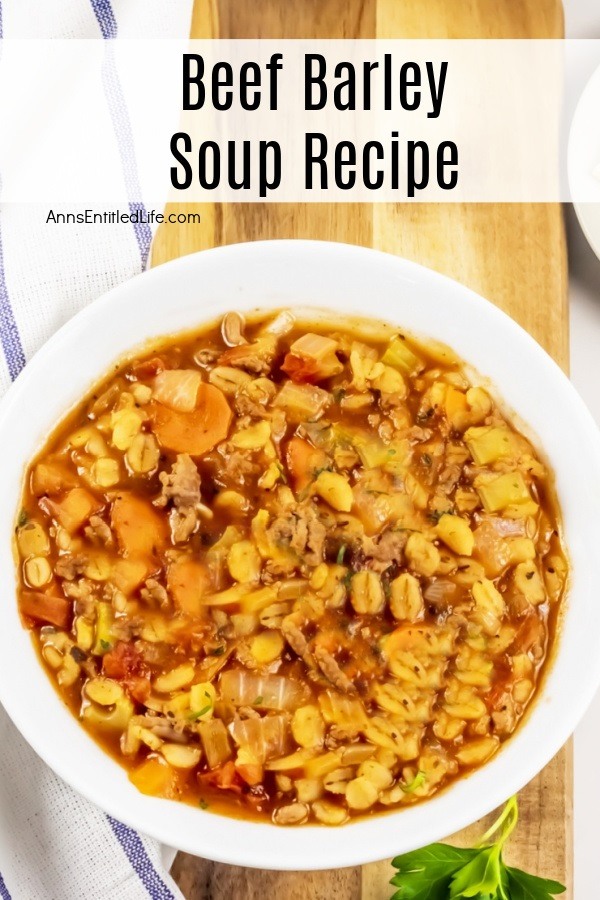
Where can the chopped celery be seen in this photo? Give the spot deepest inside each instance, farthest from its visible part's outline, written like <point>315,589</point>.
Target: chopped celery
<point>104,620</point>
<point>399,355</point>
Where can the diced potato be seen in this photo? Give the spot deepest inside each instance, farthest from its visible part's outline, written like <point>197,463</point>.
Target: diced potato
<point>32,540</point>
<point>335,490</point>
<point>231,501</point>
<point>361,793</point>
<point>456,534</point>
<point>52,477</point>
<point>128,574</point>
<point>37,571</point>
<point>489,443</point>
<point>366,593</point>
<point>98,567</point>
<point>202,698</point>
<point>176,679</point>
<point>215,742</point>
<point>390,381</point>
<point>74,509</point>
<point>244,562</point>
<point>555,575</point>
<point>503,491</point>
<point>527,581</point>
<point>422,555</point>
<point>270,476</point>
<point>522,549</point>
<point>308,727</point>
<point>252,438</point>
<point>406,599</point>
<point>181,757</point>
<point>84,633</point>
<point>267,646</point>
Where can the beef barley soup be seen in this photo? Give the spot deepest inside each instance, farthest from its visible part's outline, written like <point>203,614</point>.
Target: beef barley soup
<point>287,569</point>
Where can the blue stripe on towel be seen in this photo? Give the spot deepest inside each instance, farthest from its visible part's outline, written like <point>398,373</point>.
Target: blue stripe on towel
<point>9,333</point>
<point>4,894</point>
<point>106,18</point>
<point>122,127</point>
<point>136,853</point>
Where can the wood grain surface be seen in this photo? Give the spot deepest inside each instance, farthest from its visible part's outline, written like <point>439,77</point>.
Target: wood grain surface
<point>514,254</point>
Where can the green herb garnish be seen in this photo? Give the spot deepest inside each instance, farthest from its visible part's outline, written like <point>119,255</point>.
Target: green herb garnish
<point>216,651</point>
<point>441,872</point>
<point>106,645</point>
<point>258,701</point>
<point>426,459</point>
<point>203,804</point>
<point>417,781</point>
<point>340,555</point>
<point>23,518</point>
<point>198,715</point>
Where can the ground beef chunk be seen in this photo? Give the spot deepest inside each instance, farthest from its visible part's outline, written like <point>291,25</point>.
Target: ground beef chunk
<point>383,551</point>
<point>181,487</point>
<point>99,532</point>
<point>332,672</point>
<point>256,357</point>
<point>303,531</point>
<point>70,566</point>
<point>154,593</point>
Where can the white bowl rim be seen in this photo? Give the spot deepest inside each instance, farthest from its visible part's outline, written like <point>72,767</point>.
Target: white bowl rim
<point>570,684</point>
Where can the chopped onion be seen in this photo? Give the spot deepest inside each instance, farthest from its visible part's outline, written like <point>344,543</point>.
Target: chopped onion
<point>177,388</point>
<point>440,593</point>
<point>244,688</point>
<point>506,527</point>
<point>215,742</point>
<point>263,738</point>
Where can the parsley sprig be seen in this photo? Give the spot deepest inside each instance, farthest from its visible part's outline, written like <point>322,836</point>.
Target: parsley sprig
<point>441,872</point>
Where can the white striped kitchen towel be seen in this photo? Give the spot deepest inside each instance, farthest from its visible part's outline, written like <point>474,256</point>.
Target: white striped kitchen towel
<point>54,845</point>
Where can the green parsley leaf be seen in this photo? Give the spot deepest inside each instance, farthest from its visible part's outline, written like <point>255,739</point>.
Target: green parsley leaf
<point>441,872</point>
<point>106,645</point>
<point>426,874</point>
<point>522,886</point>
<point>202,712</point>
<point>258,701</point>
<point>23,518</point>
<point>216,651</point>
<point>203,804</point>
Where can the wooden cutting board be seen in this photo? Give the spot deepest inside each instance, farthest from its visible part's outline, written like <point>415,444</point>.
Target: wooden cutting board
<point>512,254</point>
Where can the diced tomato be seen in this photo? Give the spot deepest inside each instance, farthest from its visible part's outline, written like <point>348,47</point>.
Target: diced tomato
<point>301,370</point>
<point>120,662</point>
<point>148,368</point>
<point>226,778</point>
<point>138,687</point>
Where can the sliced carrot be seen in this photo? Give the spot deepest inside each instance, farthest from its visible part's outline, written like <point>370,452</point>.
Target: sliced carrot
<point>140,530</point>
<point>46,608</point>
<point>303,461</point>
<point>74,509</point>
<point>301,369</point>
<point>154,777</point>
<point>187,582</point>
<point>150,367</point>
<point>128,574</point>
<point>195,432</point>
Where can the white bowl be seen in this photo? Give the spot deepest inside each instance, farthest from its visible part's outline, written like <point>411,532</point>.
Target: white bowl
<point>347,280</point>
